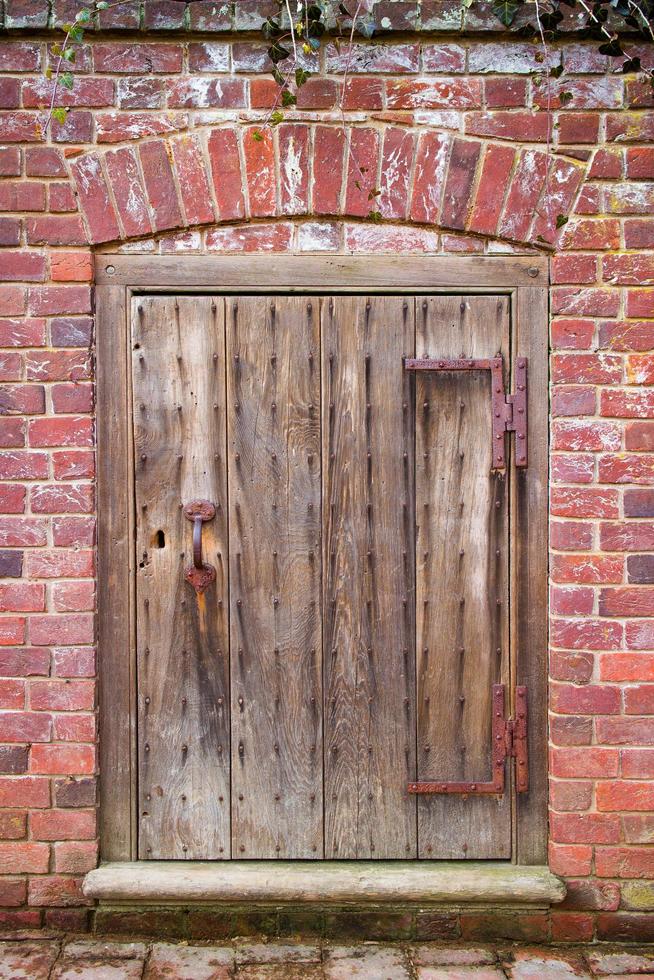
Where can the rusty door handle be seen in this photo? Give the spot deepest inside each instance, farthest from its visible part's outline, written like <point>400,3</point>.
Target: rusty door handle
<point>199,574</point>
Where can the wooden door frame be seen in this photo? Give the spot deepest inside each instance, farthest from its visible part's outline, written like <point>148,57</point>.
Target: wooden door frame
<point>118,277</point>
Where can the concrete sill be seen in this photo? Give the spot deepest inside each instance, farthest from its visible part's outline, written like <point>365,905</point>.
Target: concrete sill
<point>324,883</point>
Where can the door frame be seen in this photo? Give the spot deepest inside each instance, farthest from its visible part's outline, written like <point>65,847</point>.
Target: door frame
<point>118,278</point>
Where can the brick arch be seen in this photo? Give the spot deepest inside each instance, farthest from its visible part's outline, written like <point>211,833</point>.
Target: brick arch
<point>231,173</point>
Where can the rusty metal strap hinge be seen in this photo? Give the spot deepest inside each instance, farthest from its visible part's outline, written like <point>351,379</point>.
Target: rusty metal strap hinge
<point>509,738</point>
<point>509,411</point>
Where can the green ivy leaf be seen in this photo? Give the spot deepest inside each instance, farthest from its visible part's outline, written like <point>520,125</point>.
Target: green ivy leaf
<point>102,5</point>
<point>565,97</point>
<point>48,72</point>
<point>556,71</point>
<point>69,54</point>
<point>288,98</point>
<point>375,215</point>
<point>276,117</point>
<point>561,220</point>
<point>257,136</point>
<point>59,114</point>
<point>505,10</point>
<point>301,77</point>
<point>67,80</point>
<point>83,16</point>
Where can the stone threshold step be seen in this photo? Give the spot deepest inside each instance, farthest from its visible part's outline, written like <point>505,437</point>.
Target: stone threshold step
<point>323,883</point>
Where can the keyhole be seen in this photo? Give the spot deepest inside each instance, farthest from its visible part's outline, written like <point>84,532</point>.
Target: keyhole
<point>160,540</point>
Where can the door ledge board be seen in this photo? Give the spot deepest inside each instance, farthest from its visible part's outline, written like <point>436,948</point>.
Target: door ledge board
<point>336,882</point>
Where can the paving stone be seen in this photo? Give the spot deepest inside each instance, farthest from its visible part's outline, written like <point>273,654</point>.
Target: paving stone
<point>277,953</point>
<point>281,971</point>
<point>461,973</point>
<point>365,962</point>
<point>620,964</point>
<point>446,956</point>
<point>93,969</point>
<point>530,964</point>
<point>98,950</point>
<point>27,960</point>
<point>168,962</point>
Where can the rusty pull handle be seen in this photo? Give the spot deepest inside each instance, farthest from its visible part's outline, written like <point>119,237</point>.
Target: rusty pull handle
<point>199,574</point>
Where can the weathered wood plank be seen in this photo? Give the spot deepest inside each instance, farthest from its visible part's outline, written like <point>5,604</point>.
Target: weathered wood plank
<point>389,273</point>
<point>462,565</point>
<point>274,445</point>
<point>368,578</point>
<point>115,576</point>
<point>529,584</point>
<point>183,645</point>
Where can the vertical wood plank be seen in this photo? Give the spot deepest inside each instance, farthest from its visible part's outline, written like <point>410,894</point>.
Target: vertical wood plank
<point>116,673</point>
<point>178,368</point>
<point>274,445</point>
<point>462,563</point>
<point>369,677</point>
<point>530,572</point>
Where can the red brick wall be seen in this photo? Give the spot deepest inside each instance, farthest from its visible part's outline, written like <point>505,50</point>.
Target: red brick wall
<point>158,155</point>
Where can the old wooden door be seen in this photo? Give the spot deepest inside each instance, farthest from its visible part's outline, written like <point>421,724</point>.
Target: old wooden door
<point>359,614</point>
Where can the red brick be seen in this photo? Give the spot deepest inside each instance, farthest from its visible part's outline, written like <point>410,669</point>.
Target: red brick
<point>626,469</point>
<point>128,191</point>
<point>573,268</point>
<point>459,183</point>
<point>397,158</point>
<point>578,127</point>
<point>73,431</point>
<point>12,695</point>
<point>63,695</point>
<point>10,161</point>
<point>67,760</point>
<point>61,629</point>
<point>363,160</point>
<point>71,266</point>
<point>640,162</point>
<point>114,127</point>
<point>140,93</point>
<point>572,601</point>
<point>639,233</point>
<point>25,857</point>
<point>24,662</point>
<point>624,862</point>
<point>16,195</point>
<point>255,238</point>
<point>294,151</point>
<point>94,199</point>
<point>77,531</point>
<point>58,890</point>
<point>577,435</point>
<point>576,667</point>
<point>44,161</point>
<point>570,763</point>
<point>524,191</point>
<point>204,93</point>
<point>627,536</point>
<point>639,701</point>
<point>226,174</point>
<point>628,270</point>
<point>587,368</point>
<point>570,859</point>
<point>429,177</point>
<point>587,569</point>
<point>12,501</point>
<point>570,730</point>
<point>592,233</point>
<point>625,731</point>
<point>160,185</point>
<point>608,164</point>
<point>590,894</point>
<point>638,828</point>
<point>640,302</point>
<point>76,857</point>
<point>13,824</point>
<point>74,397</point>
<point>586,502</point>
<point>363,93</point>
<point>570,535</point>
<point>572,927</point>
<point>137,59</point>
<point>12,300</point>
<point>11,564</point>
<point>71,331</point>
<point>505,92</point>
<point>49,300</point>
<point>61,365</point>
<point>75,727</point>
<point>19,127</point>
<point>452,93</point>
<point>530,127</point>
<point>561,185</point>
<point>630,127</point>
<point>191,174</point>
<point>22,532</point>
<point>60,564</point>
<point>637,763</point>
<point>22,465</point>
<point>12,433</point>
<point>9,231</point>
<point>590,699</point>
<point>22,597</point>
<point>391,239</point>
<point>627,667</point>
<point>585,828</point>
<point>56,230</point>
<point>626,602</point>
<point>588,301</point>
<point>573,400</point>
<point>496,168</point>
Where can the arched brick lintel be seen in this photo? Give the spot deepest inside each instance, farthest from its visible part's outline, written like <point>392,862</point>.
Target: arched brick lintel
<point>231,173</point>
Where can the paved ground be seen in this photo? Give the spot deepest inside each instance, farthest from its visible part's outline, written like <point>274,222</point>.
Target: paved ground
<point>83,959</point>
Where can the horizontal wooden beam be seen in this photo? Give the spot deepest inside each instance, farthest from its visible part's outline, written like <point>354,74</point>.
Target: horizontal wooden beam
<point>336,882</point>
<point>391,273</point>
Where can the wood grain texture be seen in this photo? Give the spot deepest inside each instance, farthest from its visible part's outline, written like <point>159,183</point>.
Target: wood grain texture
<point>388,273</point>
<point>115,577</point>
<point>369,679</point>
<point>529,582</point>
<point>462,561</point>
<point>275,543</point>
<point>183,645</point>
